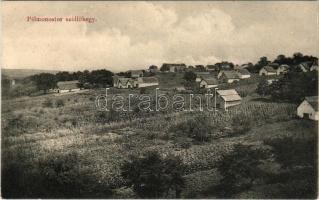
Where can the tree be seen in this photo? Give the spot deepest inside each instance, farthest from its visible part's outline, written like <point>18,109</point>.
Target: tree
<point>154,177</point>
<point>190,76</point>
<point>164,67</point>
<point>101,78</point>
<point>263,88</point>
<point>44,81</point>
<point>153,67</point>
<point>294,86</point>
<point>200,68</point>
<point>240,169</point>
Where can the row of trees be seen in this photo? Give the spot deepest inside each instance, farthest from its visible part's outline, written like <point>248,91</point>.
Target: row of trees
<point>95,78</point>
<point>292,87</point>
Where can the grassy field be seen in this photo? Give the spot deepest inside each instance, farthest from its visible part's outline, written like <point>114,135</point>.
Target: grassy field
<point>37,130</point>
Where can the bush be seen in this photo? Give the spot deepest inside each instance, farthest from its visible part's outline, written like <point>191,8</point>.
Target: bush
<point>47,103</point>
<point>198,128</point>
<point>59,103</point>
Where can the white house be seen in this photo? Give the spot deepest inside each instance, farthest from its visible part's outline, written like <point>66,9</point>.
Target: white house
<point>243,73</point>
<point>68,86</point>
<point>208,83</point>
<point>146,82</point>
<point>308,109</point>
<point>228,76</point>
<point>122,82</point>
<point>136,73</point>
<point>267,71</point>
<point>282,69</point>
<point>201,75</point>
<point>227,98</point>
<point>314,68</point>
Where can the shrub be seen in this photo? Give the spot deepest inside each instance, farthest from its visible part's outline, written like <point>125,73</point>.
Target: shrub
<point>59,103</point>
<point>47,103</point>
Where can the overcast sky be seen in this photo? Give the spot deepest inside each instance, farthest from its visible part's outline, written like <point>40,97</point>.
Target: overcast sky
<point>130,35</point>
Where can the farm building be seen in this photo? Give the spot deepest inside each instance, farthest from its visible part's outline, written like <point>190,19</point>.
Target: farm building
<point>175,67</point>
<point>208,83</point>
<point>267,71</point>
<point>243,73</point>
<point>200,75</point>
<point>227,98</point>
<point>314,68</point>
<point>136,73</point>
<point>68,86</point>
<point>244,66</point>
<point>146,82</point>
<point>228,76</point>
<point>212,68</point>
<point>122,82</point>
<point>308,109</point>
<point>305,66</point>
<point>282,69</point>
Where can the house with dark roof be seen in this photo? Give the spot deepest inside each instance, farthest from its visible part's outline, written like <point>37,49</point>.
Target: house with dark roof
<point>243,73</point>
<point>267,71</point>
<point>175,67</point>
<point>146,82</point>
<point>227,98</point>
<point>208,82</point>
<point>308,108</point>
<point>68,86</point>
<point>228,76</point>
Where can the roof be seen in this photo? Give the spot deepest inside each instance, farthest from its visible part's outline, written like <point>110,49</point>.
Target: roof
<point>243,72</point>
<point>269,69</point>
<point>150,79</point>
<point>230,74</point>
<point>313,101</point>
<point>210,81</point>
<point>68,85</point>
<point>136,72</point>
<point>284,66</point>
<point>229,95</point>
<point>202,73</point>
<point>124,81</point>
<point>305,65</point>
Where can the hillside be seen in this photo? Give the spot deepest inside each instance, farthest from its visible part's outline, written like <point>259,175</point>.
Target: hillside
<point>21,73</point>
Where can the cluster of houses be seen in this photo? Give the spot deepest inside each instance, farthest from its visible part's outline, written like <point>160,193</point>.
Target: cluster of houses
<point>275,69</point>
<point>136,80</point>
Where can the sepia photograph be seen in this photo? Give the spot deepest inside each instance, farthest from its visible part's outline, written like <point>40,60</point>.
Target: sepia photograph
<point>159,99</point>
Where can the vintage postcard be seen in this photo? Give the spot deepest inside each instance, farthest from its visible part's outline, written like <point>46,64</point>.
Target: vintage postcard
<point>159,99</point>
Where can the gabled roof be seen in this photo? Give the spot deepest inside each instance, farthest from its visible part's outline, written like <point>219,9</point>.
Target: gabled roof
<point>150,79</point>
<point>229,95</point>
<point>124,81</point>
<point>305,65</point>
<point>284,66</point>
<point>230,74</point>
<point>68,85</point>
<point>136,72</point>
<point>243,72</point>
<point>313,101</point>
<point>269,69</point>
<point>210,80</point>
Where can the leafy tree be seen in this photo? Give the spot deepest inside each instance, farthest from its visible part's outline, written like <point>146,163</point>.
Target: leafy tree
<point>200,68</point>
<point>240,169</point>
<point>44,81</point>
<point>101,78</point>
<point>263,88</point>
<point>294,86</point>
<point>164,67</point>
<point>153,67</point>
<point>190,76</point>
<point>154,177</point>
